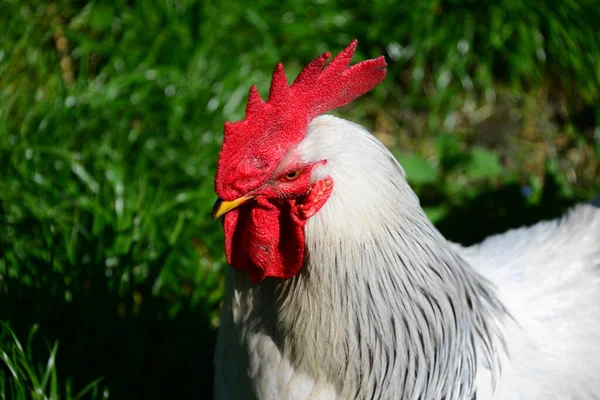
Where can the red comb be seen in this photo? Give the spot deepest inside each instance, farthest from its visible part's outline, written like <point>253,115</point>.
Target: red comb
<point>253,147</point>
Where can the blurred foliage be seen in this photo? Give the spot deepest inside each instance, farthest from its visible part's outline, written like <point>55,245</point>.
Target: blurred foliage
<point>110,125</point>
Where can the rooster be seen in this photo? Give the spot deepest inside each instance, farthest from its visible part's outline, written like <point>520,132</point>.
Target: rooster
<point>341,288</point>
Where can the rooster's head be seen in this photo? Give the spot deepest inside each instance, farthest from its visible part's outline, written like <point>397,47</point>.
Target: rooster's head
<point>266,191</point>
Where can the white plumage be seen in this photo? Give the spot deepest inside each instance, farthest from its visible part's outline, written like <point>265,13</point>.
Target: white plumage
<point>386,308</point>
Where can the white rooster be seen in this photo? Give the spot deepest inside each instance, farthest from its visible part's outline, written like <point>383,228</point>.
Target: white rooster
<point>343,289</point>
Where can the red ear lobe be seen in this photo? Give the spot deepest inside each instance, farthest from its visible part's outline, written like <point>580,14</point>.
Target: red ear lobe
<point>315,199</point>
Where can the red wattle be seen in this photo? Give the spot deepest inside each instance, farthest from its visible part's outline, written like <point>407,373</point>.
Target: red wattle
<point>266,237</point>
<point>263,239</point>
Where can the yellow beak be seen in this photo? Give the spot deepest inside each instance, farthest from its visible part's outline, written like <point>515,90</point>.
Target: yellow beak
<point>221,206</point>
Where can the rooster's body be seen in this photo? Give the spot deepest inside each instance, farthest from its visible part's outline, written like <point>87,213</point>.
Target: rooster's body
<point>383,307</point>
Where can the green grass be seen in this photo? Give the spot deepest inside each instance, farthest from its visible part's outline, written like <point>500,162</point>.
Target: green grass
<point>111,118</point>
<point>26,379</point>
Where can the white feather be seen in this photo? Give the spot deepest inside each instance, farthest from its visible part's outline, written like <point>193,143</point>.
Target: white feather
<point>386,308</point>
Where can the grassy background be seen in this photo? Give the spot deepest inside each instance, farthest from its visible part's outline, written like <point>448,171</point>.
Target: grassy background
<point>111,118</point>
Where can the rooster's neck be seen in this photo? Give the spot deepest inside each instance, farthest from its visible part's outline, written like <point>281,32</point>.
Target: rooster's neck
<point>387,309</point>
<point>383,304</point>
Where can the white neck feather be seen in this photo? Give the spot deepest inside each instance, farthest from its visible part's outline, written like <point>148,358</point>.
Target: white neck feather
<point>383,306</point>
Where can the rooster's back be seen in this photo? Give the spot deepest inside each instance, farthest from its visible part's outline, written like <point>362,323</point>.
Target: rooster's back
<point>548,277</point>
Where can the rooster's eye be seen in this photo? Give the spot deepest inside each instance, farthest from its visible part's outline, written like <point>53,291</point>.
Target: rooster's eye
<point>290,176</point>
